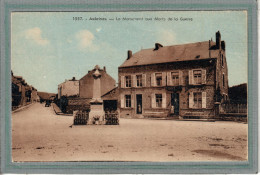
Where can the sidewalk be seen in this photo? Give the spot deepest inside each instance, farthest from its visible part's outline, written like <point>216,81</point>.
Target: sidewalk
<point>22,108</point>
<point>58,111</point>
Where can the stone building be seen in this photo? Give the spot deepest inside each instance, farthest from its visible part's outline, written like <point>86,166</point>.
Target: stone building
<point>68,88</point>
<point>182,81</point>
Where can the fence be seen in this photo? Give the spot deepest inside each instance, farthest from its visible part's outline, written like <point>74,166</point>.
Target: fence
<point>81,118</point>
<point>233,109</point>
<point>111,118</point>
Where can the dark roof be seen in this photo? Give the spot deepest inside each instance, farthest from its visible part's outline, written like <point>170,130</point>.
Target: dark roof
<point>175,53</point>
<point>111,95</point>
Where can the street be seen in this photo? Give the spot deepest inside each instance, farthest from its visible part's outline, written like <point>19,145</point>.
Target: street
<point>38,134</point>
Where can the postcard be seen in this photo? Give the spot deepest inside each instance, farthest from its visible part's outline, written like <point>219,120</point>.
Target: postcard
<point>130,86</point>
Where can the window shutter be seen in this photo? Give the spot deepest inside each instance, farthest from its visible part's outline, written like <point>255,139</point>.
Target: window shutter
<point>169,78</point>
<point>122,101</point>
<point>132,100</point>
<point>164,79</point>
<point>181,78</point>
<point>122,81</point>
<point>191,100</point>
<point>153,79</point>
<point>204,100</point>
<point>203,76</point>
<point>153,100</point>
<point>190,77</point>
<point>133,80</point>
<point>144,80</point>
<point>164,100</point>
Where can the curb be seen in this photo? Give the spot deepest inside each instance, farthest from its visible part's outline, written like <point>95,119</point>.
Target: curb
<point>23,108</point>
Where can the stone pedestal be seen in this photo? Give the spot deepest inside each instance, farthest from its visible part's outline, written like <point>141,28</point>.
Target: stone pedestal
<point>97,113</point>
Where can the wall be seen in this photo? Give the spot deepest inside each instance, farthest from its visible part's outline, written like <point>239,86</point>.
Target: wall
<point>68,88</point>
<point>86,84</point>
<point>183,90</point>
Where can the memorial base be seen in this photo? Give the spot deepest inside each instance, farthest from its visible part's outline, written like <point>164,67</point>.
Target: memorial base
<point>96,115</point>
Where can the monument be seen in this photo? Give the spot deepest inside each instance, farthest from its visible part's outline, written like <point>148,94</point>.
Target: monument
<point>97,113</point>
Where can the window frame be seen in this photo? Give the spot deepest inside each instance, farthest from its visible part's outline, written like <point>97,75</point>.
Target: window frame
<point>128,81</point>
<point>155,77</point>
<point>197,100</point>
<point>159,99</point>
<point>139,82</point>
<point>194,79</point>
<point>175,82</point>
<point>128,103</point>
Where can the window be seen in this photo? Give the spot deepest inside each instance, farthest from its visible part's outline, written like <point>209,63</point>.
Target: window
<point>197,76</point>
<point>158,78</point>
<point>223,79</point>
<point>197,100</point>
<point>158,98</point>
<point>222,60</point>
<point>139,81</point>
<point>128,81</point>
<point>127,101</point>
<point>175,78</point>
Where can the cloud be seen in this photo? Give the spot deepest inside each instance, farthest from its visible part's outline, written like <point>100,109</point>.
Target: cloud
<point>85,39</point>
<point>166,37</point>
<point>35,34</point>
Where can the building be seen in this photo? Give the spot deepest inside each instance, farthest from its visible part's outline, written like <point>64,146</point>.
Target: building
<point>86,83</point>
<point>110,100</point>
<point>82,101</point>
<point>182,81</point>
<point>68,88</point>
<point>22,93</point>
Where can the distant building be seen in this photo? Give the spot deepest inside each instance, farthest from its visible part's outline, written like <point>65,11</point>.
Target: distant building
<point>68,88</point>
<point>22,93</point>
<point>187,80</point>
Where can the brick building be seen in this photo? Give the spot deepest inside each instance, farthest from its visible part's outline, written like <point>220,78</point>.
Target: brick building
<point>186,81</point>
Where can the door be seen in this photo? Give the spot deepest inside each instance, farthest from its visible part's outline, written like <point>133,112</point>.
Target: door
<point>139,106</point>
<point>175,103</point>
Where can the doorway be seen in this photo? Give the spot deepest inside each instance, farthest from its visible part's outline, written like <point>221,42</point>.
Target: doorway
<point>175,103</point>
<point>139,106</point>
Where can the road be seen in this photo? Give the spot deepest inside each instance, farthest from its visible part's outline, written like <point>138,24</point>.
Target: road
<point>38,134</point>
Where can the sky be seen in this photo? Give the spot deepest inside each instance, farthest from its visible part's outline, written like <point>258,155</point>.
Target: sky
<point>49,47</point>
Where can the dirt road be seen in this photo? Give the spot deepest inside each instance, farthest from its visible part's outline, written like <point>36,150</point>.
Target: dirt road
<point>40,135</point>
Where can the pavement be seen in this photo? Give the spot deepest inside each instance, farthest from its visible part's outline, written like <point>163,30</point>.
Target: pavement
<point>38,134</point>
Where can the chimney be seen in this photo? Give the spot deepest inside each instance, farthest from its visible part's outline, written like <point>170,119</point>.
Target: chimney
<point>223,45</point>
<point>129,54</point>
<point>218,40</point>
<point>104,69</point>
<point>73,78</point>
<point>157,46</point>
